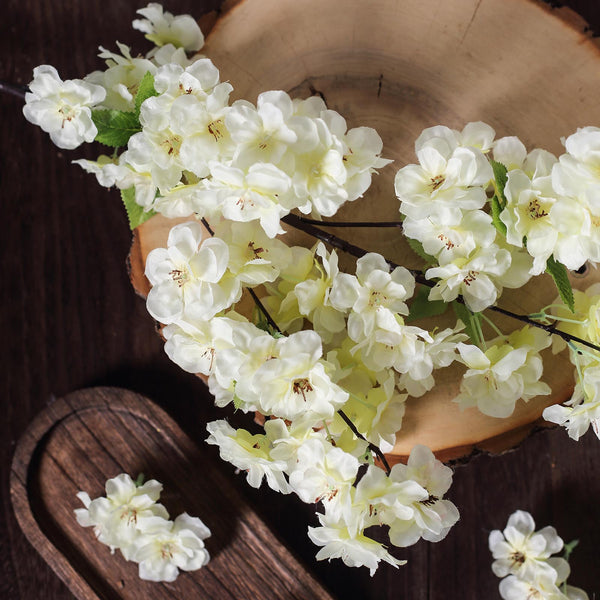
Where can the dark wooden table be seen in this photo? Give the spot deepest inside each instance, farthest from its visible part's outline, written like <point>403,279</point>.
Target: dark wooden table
<point>69,319</point>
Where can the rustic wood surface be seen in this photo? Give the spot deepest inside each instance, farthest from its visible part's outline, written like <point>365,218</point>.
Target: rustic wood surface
<point>399,84</point>
<point>91,435</point>
<point>70,320</point>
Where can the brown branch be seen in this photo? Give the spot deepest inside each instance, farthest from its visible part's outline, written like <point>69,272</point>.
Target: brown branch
<point>419,276</point>
<point>359,435</point>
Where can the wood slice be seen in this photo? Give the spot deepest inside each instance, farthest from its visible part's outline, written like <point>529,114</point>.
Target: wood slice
<point>89,436</point>
<point>400,66</point>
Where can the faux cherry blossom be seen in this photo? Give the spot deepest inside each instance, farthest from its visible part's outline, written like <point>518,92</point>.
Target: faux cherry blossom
<point>62,108</point>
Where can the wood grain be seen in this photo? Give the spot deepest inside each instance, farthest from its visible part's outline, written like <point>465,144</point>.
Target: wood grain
<point>70,320</point>
<point>92,435</point>
<point>413,74</point>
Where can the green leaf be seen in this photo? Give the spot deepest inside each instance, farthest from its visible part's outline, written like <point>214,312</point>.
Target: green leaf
<point>500,179</point>
<point>468,318</point>
<point>115,127</point>
<point>561,279</point>
<point>237,402</point>
<point>135,213</point>
<point>145,90</point>
<point>422,307</point>
<point>417,248</point>
<point>496,210</point>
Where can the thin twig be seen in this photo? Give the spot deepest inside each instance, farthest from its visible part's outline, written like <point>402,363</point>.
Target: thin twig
<point>14,90</point>
<point>340,244</point>
<point>264,311</point>
<point>419,276</point>
<point>256,299</point>
<point>359,435</point>
<point>397,224</point>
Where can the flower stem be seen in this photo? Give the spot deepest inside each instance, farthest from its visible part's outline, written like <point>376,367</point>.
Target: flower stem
<point>359,435</point>
<point>14,90</point>
<point>358,252</point>
<point>256,299</point>
<point>397,224</point>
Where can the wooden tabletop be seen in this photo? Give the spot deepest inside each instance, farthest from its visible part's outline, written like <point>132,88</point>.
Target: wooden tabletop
<point>70,320</point>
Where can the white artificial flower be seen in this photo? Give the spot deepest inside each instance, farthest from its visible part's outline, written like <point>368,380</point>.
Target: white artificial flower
<point>287,438</point>
<point>374,405</point>
<point>543,588</point>
<point>509,369</point>
<point>194,347</point>
<point>163,28</point>
<point>480,277</point>
<point>189,278</point>
<point>261,193</point>
<point>448,175</point>
<point>107,171</point>
<point>372,294</point>
<point>355,550</point>
<point>200,79</point>
<point>447,234</point>
<point>294,380</point>
<point>124,514</point>
<point>528,214</point>
<point>250,453</point>
<point>254,258</point>
<point>122,77</point>
<point>170,546</point>
<point>433,516</point>
<point>361,159</point>
<point>520,550</point>
<point>237,364</point>
<point>319,175</point>
<point>577,216</point>
<point>62,108</point>
<point>261,133</point>
<point>438,353</point>
<point>324,473</point>
<point>382,499</point>
<point>583,409</point>
<point>313,295</point>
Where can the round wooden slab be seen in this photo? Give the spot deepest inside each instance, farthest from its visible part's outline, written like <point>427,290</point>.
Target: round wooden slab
<point>400,66</point>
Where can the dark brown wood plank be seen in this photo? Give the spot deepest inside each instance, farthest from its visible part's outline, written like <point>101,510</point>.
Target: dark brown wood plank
<point>70,319</point>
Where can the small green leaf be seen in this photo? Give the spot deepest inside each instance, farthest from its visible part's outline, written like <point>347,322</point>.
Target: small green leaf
<point>135,213</point>
<point>422,307</point>
<point>496,210</point>
<point>561,279</point>
<point>568,549</point>
<point>237,402</point>
<point>500,179</point>
<point>145,90</point>
<point>115,127</point>
<point>468,318</point>
<point>417,248</point>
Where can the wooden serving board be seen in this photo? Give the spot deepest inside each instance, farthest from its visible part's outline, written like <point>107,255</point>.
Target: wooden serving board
<point>89,436</point>
<point>400,66</point>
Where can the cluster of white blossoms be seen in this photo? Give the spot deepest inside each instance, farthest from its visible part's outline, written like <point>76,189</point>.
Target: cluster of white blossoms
<point>583,408</point>
<point>130,518</point>
<point>546,208</point>
<point>195,154</point>
<point>308,383</point>
<point>523,557</point>
<point>328,358</point>
<point>442,199</point>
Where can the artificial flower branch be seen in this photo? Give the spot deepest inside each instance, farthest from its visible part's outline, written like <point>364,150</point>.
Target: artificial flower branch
<point>307,226</point>
<point>182,149</point>
<point>374,224</point>
<point>360,436</point>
